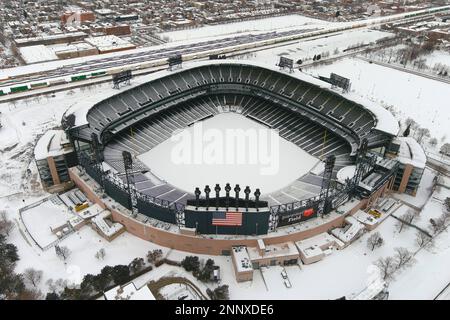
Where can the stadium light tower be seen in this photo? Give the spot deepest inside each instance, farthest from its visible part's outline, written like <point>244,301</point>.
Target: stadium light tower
<point>237,189</point>
<point>98,158</point>
<point>207,192</point>
<point>257,195</point>
<point>217,190</point>
<point>96,147</point>
<point>227,197</point>
<point>197,193</point>
<point>326,185</point>
<point>128,165</point>
<point>247,192</point>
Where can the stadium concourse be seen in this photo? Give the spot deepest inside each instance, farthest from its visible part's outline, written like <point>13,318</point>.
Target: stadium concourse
<point>307,112</point>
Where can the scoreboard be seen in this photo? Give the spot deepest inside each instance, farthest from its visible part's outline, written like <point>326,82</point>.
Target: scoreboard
<point>298,215</point>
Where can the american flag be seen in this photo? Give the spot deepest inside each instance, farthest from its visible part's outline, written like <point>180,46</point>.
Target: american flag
<point>227,219</point>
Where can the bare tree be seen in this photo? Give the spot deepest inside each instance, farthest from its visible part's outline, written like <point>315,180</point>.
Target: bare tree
<point>445,149</point>
<point>422,133</point>
<point>423,240</point>
<point>438,224</point>
<point>6,226</point>
<point>374,241</point>
<point>405,219</point>
<point>62,252</point>
<point>403,257</point>
<point>100,255</point>
<point>412,123</point>
<point>433,142</point>
<point>33,276</point>
<point>386,266</point>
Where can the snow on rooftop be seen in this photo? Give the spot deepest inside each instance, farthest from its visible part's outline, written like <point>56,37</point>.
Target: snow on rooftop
<point>346,173</point>
<point>316,245</point>
<point>365,218</point>
<point>241,259</point>
<point>38,53</point>
<point>107,43</point>
<point>273,251</point>
<point>50,145</point>
<point>411,152</point>
<point>109,229</point>
<point>350,231</point>
<point>321,240</point>
<point>50,37</point>
<point>91,211</point>
<point>69,47</point>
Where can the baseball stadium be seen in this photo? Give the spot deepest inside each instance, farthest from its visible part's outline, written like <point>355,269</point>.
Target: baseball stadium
<point>338,155</point>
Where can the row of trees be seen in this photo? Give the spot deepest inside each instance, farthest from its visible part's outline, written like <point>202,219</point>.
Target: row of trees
<point>409,54</point>
<point>108,277</point>
<point>423,135</point>
<point>389,265</point>
<point>418,132</point>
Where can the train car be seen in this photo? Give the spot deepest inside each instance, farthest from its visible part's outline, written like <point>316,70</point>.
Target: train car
<point>98,74</point>
<point>19,89</point>
<point>78,78</point>
<point>56,82</point>
<point>39,85</point>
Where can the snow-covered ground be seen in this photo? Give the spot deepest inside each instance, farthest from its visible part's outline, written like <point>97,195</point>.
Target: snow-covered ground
<point>423,99</point>
<point>438,57</point>
<point>40,220</point>
<point>178,291</point>
<point>332,45</point>
<point>228,148</point>
<point>265,24</point>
